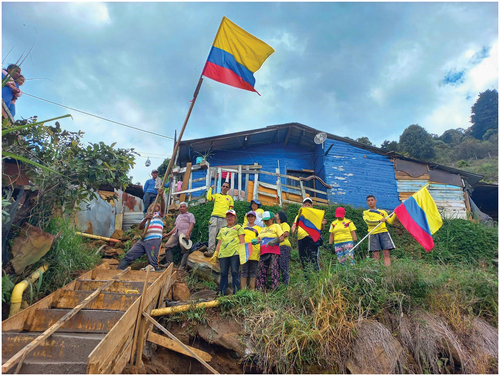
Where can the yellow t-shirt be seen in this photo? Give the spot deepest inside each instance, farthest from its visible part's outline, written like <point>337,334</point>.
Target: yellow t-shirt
<point>222,203</point>
<point>230,240</point>
<point>253,233</point>
<point>342,230</point>
<point>273,231</point>
<point>372,218</point>
<point>301,233</point>
<point>285,227</point>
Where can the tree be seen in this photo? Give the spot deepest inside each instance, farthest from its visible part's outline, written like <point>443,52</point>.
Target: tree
<point>484,114</point>
<point>417,142</point>
<point>163,167</point>
<point>389,145</point>
<point>364,140</point>
<point>452,137</point>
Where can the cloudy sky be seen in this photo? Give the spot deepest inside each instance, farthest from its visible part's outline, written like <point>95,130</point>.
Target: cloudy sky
<point>351,69</point>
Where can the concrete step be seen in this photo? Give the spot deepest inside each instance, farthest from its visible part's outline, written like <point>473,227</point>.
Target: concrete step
<point>85,321</point>
<point>52,368</point>
<point>111,301</point>
<point>70,347</point>
<point>117,286</point>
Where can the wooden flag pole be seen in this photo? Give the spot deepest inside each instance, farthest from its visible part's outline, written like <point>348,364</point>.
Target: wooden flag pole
<point>170,164</point>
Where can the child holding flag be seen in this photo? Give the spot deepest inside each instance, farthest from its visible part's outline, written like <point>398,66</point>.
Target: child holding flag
<point>343,236</point>
<point>248,272</point>
<point>269,238</point>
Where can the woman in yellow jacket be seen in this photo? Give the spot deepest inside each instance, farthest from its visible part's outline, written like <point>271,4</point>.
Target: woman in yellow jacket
<point>248,271</point>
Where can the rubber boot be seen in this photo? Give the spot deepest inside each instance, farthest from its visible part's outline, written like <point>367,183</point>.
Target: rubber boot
<point>243,282</point>
<point>251,283</point>
<point>184,261</point>
<point>123,264</point>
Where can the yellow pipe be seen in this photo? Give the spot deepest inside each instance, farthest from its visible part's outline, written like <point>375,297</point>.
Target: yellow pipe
<point>17,294</point>
<point>97,237</point>
<point>182,308</point>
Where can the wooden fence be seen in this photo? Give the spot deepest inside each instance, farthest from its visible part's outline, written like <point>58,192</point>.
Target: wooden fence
<point>269,194</point>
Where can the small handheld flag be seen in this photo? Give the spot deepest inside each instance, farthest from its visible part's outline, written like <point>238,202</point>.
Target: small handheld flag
<point>235,56</point>
<point>245,251</point>
<point>420,216</point>
<point>310,220</point>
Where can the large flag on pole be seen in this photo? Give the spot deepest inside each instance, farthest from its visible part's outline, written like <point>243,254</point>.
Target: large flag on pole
<point>235,56</point>
<point>310,220</point>
<point>420,216</point>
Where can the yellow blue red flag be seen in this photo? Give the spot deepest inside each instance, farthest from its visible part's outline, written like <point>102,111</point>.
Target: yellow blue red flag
<point>310,220</point>
<point>235,56</point>
<point>245,251</point>
<point>420,216</point>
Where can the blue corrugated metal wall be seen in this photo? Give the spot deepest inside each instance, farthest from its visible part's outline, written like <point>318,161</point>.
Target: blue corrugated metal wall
<point>355,173</point>
<point>291,157</point>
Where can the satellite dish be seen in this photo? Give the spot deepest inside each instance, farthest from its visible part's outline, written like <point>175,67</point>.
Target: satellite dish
<point>320,138</point>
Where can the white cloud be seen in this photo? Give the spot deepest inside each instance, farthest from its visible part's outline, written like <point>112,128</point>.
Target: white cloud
<point>82,13</point>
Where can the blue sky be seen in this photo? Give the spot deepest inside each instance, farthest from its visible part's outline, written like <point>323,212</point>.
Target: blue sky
<point>351,69</point>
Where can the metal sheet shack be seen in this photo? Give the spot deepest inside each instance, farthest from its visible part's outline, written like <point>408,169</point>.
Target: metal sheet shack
<point>286,162</point>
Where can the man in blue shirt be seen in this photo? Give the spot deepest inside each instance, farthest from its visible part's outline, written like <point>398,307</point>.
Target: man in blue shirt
<point>150,191</point>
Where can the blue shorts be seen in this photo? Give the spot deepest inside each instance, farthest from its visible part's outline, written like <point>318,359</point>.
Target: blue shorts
<point>380,241</point>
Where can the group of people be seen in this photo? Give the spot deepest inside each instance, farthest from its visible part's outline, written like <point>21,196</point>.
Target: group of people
<point>268,234</point>
<point>11,88</point>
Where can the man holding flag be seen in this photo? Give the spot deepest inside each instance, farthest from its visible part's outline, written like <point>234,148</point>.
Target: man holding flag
<point>308,224</point>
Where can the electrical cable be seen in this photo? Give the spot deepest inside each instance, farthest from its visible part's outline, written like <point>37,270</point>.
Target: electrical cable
<point>99,117</point>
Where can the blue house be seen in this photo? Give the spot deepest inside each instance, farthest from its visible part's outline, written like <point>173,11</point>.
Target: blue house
<point>344,171</point>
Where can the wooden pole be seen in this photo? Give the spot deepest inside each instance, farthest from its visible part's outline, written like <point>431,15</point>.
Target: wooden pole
<point>21,354</point>
<point>171,162</point>
<point>153,321</point>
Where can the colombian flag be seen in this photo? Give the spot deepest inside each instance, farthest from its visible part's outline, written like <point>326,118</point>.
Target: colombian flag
<point>311,220</point>
<point>266,248</point>
<point>245,251</point>
<point>420,216</point>
<point>235,56</point>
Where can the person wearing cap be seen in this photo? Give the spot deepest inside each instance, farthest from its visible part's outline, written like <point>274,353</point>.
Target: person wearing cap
<point>269,238</point>
<point>285,248</point>
<point>183,225</point>
<point>229,239</point>
<point>248,271</point>
<point>308,248</point>
<point>255,207</point>
<point>150,191</point>
<point>342,235</point>
<point>222,203</point>
<point>151,243</point>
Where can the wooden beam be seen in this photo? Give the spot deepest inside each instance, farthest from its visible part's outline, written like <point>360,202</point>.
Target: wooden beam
<point>194,355</point>
<point>21,354</point>
<point>239,183</point>
<point>288,135</point>
<point>278,184</point>
<point>139,317</point>
<point>174,346</point>
<point>185,181</point>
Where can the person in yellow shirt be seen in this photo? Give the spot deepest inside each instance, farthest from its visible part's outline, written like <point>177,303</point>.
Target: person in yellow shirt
<point>230,237</point>
<point>342,235</point>
<point>255,207</point>
<point>269,238</point>
<point>308,248</point>
<point>248,271</point>
<point>380,239</point>
<point>285,248</point>
<point>222,203</point>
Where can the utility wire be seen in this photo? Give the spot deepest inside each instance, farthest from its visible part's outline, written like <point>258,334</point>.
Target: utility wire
<point>99,117</point>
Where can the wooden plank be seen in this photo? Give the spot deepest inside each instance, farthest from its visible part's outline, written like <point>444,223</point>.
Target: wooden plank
<point>260,193</point>
<point>255,185</point>
<point>315,191</point>
<point>165,331</point>
<point>139,317</point>
<point>247,178</point>
<point>239,183</point>
<point>185,181</point>
<point>174,346</point>
<point>105,300</point>
<point>267,185</point>
<point>122,360</point>
<point>190,191</point>
<point>218,179</point>
<point>320,200</point>
<point>278,185</point>
<point>19,357</point>
<point>119,286</point>
<point>303,192</point>
<point>131,276</point>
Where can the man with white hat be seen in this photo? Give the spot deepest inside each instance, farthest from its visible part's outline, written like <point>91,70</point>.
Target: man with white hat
<point>180,234</point>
